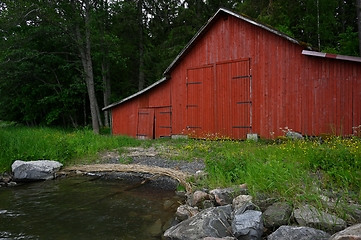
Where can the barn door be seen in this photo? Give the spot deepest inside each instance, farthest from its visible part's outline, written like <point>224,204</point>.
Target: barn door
<point>163,127</point>
<point>200,109</point>
<point>234,104</point>
<point>145,129</point>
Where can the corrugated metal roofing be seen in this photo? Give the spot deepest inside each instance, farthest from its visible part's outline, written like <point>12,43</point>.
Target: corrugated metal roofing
<point>329,55</point>
<point>135,94</point>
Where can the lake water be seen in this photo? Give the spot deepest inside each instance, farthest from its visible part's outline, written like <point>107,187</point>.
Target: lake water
<point>83,208</point>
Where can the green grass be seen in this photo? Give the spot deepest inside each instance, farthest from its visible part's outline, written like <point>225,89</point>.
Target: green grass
<point>294,171</point>
<point>65,146</point>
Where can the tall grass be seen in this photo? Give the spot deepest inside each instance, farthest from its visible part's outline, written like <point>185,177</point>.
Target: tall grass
<point>294,170</point>
<point>65,146</point>
<point>291,170</point>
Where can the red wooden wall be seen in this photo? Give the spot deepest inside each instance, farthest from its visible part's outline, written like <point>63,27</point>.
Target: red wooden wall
<point>236,78</point>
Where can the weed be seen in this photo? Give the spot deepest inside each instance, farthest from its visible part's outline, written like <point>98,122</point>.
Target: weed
<point>296,171</point>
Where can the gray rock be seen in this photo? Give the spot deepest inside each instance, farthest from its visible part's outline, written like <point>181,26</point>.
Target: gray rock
<point>350,233</point>
<point>311,217</point>
<point>223,196</point>
<point>211,222</point>
<point>263,204</point>
<point>207,204</point>
<point>185,211</point>
<point>294,135</point>
<point>198,197</point>
<point>35,170</point>
<point>239,201</point>
<point>299,233</point>
<point>248,225</point>
<point>277,214</point>
<point>245,207</point>
<point>224,238</point>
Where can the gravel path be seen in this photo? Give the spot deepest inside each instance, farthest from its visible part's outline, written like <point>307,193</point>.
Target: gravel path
<point>151,157</point>
<point>186,166</point>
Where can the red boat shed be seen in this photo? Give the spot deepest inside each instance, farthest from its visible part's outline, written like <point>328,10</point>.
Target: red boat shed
<point>237,77</point>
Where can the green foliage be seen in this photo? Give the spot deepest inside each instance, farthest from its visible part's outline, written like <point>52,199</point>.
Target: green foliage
<point>339,162</point>
<point>324,24</point>
<point>290,170</point>
<point>295,171</point>
<point>65,146</point>
<point>41,81</point>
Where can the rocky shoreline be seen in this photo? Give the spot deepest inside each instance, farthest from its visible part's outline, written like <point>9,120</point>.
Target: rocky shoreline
<point>228,213</point>
<point>232,214</point>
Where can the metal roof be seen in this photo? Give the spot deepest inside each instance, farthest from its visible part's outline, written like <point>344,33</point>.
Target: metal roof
<point>210,22</point>
<point>333,56</point>
<point>135,94</point>
<point>203,31</point>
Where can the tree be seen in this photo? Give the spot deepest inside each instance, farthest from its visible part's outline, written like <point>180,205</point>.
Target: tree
<point>73,18</point>
<point>358,11</point>
<point>37,84</point>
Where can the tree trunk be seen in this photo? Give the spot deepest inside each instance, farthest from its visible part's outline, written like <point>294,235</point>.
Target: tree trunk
<point>105,65</point>
<point>141,46</point>
<point>106,91</point>
<point>85,53</point>
<point>358,10</point>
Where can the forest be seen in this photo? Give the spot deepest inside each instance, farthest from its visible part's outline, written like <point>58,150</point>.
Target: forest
<point>61,62</point>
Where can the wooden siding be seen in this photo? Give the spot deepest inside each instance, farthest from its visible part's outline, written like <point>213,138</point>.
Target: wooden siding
<point>238,78</point>
<point>289,89</point>
<point>144,116</point>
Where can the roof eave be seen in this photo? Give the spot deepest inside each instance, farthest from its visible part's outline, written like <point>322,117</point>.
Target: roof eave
<point>330,55</point>
<point>134,95</point>
<point>246,19</point>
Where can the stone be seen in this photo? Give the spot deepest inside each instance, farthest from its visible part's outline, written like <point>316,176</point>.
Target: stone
<point>277,214</point>
<point>211,222</point>
<point>299,233</point>
<point>184,212</point>
<point>223,196</point>
<point>264,203</point>
<point>207,204</point>
<point>198,197</point>
<point>223,238</point>
<point>35,170</point>
<point>309,216</point>
<point>294,135</point>
<point>240,201</point>
<point>245,207</point>
<point>351,233</point>
<point>248,225</point>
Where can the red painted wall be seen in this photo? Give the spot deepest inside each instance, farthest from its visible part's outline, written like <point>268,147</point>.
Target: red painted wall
<point>209,92</point>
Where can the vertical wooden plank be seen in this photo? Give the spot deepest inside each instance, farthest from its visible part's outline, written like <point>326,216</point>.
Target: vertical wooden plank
<point>163,123</point>
<point>145,129</point>
<point>199,107</point>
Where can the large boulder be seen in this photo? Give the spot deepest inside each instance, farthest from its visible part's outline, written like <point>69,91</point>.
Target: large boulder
<point>248,225</point>
<point>299,233</point>
<point>211,222</point>
<point>350,233</point>
<point>35,170</point>
<point>310,216</point>
<point>277,214</point>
